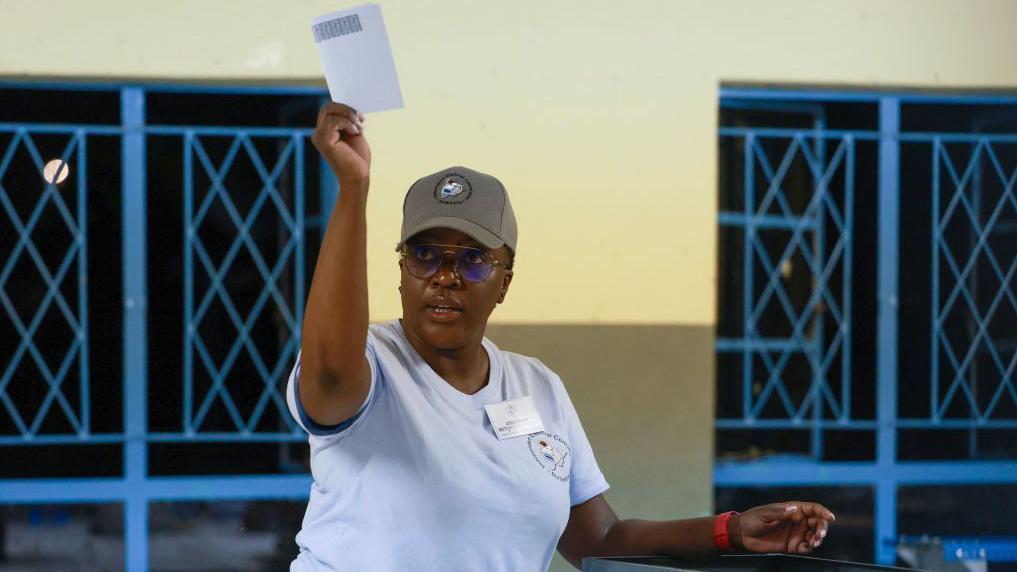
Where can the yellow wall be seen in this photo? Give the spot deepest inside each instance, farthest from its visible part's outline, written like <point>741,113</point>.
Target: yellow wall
<point>598,116</point>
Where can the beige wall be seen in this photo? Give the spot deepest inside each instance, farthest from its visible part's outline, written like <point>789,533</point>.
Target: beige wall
<point>599,116</point>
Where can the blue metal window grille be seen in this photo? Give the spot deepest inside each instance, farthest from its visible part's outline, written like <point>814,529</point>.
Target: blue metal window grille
<point>983,355</point>
<point>821,221</point>
<point>70,267</point>
<point>198,303</point>
<point>65,414</point>
<point>799,189</point>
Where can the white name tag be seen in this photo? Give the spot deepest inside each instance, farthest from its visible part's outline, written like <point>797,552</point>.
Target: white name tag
<point>514,418</point>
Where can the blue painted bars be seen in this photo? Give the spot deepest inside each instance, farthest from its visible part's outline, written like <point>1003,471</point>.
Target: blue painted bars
<point>959,196</point>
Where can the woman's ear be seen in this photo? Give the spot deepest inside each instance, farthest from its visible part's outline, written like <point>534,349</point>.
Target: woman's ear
<point>505,281</point>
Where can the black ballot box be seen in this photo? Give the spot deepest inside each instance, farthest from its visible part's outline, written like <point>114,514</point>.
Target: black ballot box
<point>729,563</point>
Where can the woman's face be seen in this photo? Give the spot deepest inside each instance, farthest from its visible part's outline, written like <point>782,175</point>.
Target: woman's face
<point>445,311</point>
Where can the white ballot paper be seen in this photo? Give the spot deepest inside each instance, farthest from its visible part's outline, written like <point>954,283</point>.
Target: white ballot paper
<point>354,51</point>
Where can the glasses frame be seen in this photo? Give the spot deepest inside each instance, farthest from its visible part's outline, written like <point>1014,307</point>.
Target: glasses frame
<point>453,249</point>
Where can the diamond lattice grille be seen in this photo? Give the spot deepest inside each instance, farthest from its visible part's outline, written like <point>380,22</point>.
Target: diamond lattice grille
<point>240,292</point>
<point>810,236</point>
<point>43,286</point>
<point>975,269</point>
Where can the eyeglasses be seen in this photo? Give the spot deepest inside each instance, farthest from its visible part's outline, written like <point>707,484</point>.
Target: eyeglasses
<point>471,264</point>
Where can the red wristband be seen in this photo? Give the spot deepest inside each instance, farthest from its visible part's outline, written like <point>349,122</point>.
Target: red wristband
<point>720,536</point>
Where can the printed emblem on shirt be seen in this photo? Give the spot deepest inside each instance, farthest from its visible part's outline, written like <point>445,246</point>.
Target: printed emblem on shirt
<point>453,189</point>
<point>552,454</point>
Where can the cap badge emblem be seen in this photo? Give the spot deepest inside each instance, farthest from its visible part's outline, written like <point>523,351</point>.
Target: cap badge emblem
<point>453,189</point>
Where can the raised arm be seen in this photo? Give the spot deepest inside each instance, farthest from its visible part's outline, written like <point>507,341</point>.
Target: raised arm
<point>334,374</point>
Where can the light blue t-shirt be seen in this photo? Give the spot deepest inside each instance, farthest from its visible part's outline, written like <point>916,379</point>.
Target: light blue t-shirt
<point>417,480</point>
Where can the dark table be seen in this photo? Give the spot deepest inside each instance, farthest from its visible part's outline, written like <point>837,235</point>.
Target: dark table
<point>729,563</point>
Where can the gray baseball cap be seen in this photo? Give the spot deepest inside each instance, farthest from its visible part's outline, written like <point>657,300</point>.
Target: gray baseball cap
<point>473,203</point>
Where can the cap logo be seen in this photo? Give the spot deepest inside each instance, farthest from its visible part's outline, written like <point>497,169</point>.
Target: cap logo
<point>452,190</point>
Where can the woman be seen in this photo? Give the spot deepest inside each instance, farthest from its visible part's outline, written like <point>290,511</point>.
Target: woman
<point>430,447</point>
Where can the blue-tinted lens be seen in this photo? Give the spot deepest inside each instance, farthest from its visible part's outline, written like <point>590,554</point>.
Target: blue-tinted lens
<point>473,265</point>
<point>423,260</point>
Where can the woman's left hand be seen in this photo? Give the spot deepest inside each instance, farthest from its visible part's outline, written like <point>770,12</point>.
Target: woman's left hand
<point>793,527</point>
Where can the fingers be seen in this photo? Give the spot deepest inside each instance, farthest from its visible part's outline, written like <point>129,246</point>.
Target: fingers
<point>814,509</point>
<point>819,534</point>
<point>815,523</point>
<point>810,510</point>
<point>332,130</point>
<point>803,540</point>
<point>339,117</point>
<point>815,532</point>
<point>333,108</point>
<point>344,124</point>
<point>351,118</point>
<point>798,535</point>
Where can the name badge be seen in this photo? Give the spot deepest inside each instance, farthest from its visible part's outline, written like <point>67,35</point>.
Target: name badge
<point>514,418</point>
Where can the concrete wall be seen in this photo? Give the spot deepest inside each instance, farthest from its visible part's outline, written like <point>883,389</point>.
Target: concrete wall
<point>636,391</point>
<point>600,117</point>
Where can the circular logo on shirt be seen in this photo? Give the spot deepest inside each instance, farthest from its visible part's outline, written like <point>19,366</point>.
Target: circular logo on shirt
<point>552,454</point>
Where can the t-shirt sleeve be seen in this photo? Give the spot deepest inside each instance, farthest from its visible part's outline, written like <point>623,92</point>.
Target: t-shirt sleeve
<point>586,480</point>
<point>300,415</point>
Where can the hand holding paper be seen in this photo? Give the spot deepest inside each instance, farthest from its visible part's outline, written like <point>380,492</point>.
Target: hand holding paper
<point>355,54</point>
<point>338,136</point>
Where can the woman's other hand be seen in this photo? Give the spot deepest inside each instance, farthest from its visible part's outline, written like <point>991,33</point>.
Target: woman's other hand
<point>793,527</point>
